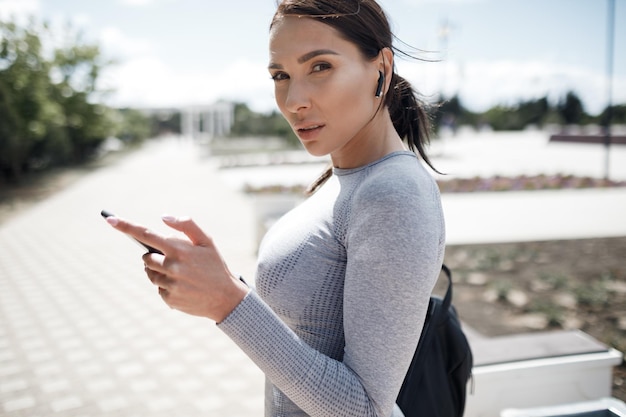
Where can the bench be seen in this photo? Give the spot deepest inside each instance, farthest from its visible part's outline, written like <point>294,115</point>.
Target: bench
<point>536,370</point>
<point>597,139</point>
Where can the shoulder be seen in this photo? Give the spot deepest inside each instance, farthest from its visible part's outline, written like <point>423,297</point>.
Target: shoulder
<point>399,180</point>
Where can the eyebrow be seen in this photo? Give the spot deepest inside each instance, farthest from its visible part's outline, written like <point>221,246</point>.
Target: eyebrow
<point>306,57</point>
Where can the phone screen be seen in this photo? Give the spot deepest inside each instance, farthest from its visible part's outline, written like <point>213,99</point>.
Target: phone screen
<point>105,214</point>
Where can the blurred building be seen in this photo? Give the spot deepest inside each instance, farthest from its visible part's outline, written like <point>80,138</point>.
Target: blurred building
<point>207,122</point>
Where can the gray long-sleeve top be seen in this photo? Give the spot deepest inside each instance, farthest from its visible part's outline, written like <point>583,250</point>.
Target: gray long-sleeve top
<point>343,283</point>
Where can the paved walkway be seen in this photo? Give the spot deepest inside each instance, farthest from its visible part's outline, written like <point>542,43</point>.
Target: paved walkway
<point>83,332</point>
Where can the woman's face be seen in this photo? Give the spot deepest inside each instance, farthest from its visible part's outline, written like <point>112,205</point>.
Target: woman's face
<point>324,87</point>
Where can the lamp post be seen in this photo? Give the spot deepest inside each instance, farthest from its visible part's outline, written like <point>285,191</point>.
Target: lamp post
<point>444,36</point>
<point>609,83</point>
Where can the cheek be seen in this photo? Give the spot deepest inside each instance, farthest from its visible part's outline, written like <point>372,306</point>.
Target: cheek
<point>353,99</point>
<point>356,86</point>
<point>279,98</point>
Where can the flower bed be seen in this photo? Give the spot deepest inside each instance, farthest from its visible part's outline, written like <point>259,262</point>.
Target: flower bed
<point>479,184</point>
<point>525,183</point>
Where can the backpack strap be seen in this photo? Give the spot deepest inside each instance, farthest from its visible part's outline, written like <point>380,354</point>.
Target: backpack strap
<point>447,299</point>
<point>436,315</point>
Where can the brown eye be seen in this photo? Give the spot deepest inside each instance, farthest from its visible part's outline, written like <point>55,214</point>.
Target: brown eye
<point>320,67</point>
<point>280,76</point>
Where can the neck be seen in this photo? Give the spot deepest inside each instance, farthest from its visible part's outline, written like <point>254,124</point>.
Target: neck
<point>378,139</point>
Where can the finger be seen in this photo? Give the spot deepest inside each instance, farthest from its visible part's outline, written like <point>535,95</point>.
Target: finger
<point>154,276</point>
<point>187,226</point>
<point>154,261</point>
<point>164,294</point>
<point>138,232</point>
<point>161,280</point>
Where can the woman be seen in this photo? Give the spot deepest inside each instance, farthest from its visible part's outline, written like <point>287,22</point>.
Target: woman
<point>344,279</point>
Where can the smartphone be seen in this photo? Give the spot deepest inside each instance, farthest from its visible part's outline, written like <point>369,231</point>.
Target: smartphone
<point>150,249</point>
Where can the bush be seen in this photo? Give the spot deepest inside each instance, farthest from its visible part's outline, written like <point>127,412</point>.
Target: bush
<point>48,104</point>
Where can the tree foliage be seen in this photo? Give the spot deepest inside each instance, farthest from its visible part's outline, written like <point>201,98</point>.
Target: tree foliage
<point>569,110</point>
<point>451,113</point>
<point>250,123</point>
<point>28,115</point>
<point>50,111</point>
<point>534,112</point>
<point>616,114</point>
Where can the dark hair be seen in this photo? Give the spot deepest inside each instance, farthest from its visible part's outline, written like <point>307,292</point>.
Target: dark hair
<point>364,23</point>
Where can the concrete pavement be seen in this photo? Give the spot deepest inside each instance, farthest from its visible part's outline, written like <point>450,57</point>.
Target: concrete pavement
<point>83,332</point>
<point>534,215</point>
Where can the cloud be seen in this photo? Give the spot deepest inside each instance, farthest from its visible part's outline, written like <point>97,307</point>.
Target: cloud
<point>19,9</point>
<point>149,82</point>
<point>141,3</point>
<point>121,46</point>
<point>136,2</point>
<point>142,77</point>
<point>439,2</point>
<point>81,20</point>
<point>483,84</point>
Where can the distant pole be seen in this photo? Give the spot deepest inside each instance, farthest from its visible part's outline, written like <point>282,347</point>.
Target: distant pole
<point>609,83</point>
<point>444,35</point>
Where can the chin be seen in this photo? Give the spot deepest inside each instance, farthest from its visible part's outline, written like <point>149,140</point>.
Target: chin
<point>315,150</point>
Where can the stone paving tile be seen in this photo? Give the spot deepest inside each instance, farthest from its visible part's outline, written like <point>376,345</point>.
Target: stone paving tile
<point>84,333</point>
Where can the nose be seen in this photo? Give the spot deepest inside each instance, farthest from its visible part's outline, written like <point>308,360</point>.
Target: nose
<point>297,97</point>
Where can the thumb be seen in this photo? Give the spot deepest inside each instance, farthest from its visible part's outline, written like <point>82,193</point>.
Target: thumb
<point>187,226</point>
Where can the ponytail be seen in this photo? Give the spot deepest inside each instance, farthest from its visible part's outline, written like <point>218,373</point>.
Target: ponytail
<point>409,117</point>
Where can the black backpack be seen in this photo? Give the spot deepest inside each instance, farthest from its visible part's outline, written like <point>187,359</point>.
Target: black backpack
<point>436,382</point>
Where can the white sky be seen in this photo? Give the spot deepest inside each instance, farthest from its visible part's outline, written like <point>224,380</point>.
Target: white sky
<point>184,52</point>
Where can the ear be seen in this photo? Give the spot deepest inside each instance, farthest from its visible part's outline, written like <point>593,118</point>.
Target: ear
<point>385,65</point>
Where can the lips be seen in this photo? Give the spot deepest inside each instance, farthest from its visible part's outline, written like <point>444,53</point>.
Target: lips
<point>308,131</point>
<point>305,129</point>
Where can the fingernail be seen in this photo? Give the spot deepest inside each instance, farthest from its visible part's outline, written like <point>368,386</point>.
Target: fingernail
<point>113,221</point>
<point>168,218</point>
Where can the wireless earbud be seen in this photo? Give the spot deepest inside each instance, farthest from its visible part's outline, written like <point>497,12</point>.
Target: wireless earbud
<point>381,83</point>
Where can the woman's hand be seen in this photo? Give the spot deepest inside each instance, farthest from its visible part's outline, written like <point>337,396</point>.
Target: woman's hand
<point>191,275</point>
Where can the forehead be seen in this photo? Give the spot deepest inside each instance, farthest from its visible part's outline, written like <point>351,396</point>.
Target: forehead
<point>293,35</point>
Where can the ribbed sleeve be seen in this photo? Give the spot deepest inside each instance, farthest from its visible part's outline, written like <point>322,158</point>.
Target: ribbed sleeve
<point>342,287</point>
<point>324,386</point>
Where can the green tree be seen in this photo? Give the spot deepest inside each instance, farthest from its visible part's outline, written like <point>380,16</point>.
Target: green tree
<point>132,125</point>
<point>518,117</point>
<point>618,115</point>
<point>250,123</point>
<point>571,109</point>
<point>533,112</point>
<point>87,124</point>
<point>451,113</point>
<point>49,108</point>
<point>24,103</point>
<point>501,118</point>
